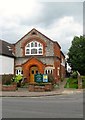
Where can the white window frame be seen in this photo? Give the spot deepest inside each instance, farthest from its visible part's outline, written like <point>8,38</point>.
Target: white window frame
<point>18,72</point>
<point>30,48</point>
<point>50,69</point>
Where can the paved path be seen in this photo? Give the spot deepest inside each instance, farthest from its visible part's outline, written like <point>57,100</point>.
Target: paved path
<point>37,94</point>
<point>23,92</point>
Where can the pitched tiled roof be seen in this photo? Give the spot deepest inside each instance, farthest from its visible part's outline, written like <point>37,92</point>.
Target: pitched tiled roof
<point>6,48</point>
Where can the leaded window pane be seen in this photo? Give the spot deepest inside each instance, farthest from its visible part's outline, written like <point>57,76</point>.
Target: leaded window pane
<point>28,45</point>
<point>40,50</point>
<point>32,45</point>
<point>27,51</point>
<point>40,45</point>
<point>33,51</point>
<point>35,44</point>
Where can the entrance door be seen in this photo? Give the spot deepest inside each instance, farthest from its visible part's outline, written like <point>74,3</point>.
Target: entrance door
<point>33,71</point>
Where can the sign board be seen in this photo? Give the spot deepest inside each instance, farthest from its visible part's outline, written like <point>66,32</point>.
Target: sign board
<point>45,78</point>
<point>39,78</point>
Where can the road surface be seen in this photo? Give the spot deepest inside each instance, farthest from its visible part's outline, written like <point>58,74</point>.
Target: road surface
<point>60,106</point>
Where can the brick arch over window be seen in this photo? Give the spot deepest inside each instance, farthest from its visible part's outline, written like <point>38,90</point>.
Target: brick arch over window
<point>25,42</point>
<point>32,62</point>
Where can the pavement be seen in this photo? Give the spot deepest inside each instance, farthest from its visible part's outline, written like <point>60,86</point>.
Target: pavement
<point>23,92</point>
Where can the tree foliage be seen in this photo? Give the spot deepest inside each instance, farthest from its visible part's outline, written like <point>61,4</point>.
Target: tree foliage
<point>77,54</point>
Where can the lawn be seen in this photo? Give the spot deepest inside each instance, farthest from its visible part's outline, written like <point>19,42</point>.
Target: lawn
<point>71,83</point>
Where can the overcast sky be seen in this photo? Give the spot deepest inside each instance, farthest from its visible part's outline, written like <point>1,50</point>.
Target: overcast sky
<point>60,21</point>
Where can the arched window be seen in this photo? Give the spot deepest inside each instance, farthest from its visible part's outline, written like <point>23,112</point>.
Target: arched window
<point>34,48</point>
<point>49,70</point>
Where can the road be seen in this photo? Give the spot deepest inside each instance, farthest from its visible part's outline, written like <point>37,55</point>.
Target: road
<point>60,106</point>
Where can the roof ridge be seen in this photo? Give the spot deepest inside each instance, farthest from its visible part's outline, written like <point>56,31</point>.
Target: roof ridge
<point>41,34</point>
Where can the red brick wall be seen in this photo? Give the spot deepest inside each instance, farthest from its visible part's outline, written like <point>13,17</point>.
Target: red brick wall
<point>33,61</point>
<point>56,50</point>
<point>57,64</point>
<point>63,72</point>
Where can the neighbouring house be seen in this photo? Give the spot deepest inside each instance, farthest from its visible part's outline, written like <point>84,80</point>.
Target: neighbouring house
<point>36,53</point>
<point>6,58</point>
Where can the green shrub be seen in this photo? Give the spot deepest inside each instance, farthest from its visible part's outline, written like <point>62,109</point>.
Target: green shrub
<point>6,79</point>
<point>56,86</point>
<point>74,74</point>
<point>71,83</point>
<point>83,77</point>
<point>73,86</point>
<point>17,78</point>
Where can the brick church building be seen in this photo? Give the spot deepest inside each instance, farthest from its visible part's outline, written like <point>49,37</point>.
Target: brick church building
<point>36,53</point>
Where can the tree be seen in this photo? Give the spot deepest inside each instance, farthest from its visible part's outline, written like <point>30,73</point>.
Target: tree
<point>77,54</point>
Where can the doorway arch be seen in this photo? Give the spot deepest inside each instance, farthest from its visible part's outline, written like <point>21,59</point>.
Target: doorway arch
<point>32,62</point>
<point>32,71</point>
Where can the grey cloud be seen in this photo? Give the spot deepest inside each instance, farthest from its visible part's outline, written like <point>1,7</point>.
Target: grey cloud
<point>53,11</point>
<point>57,10</point>
<point>9,35</point>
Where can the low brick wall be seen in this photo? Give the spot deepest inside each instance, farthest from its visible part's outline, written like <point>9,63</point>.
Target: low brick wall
<point>31,88</point>
<point>48,87</point>
<point>38,88</point>
<point>9,88</point>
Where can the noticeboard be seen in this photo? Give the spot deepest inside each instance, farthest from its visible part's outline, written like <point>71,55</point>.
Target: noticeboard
<point>45,78</point>
<point>39,78</point>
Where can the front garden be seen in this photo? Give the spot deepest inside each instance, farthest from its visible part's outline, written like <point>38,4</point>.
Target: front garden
<point>11,82</point>
<point>72,81</point>
<point>42,83</point>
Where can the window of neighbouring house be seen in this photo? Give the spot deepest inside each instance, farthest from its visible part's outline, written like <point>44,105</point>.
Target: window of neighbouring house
<point>34,48</point>
<point>19,72</point>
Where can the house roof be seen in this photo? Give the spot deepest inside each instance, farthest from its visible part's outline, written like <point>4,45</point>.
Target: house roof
<point>6,48</point>
<point>62,54</point>
<point>34,30</point>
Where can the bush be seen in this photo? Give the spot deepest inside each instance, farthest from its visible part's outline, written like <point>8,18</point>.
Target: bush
<point>6,79</point>
<point>71,83</point>
<point>50,78</point>
<point>17,78</point>
<point>74,74</point>
<point>55,86</point>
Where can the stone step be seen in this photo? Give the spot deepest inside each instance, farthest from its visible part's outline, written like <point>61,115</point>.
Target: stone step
<point>22,89</point>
